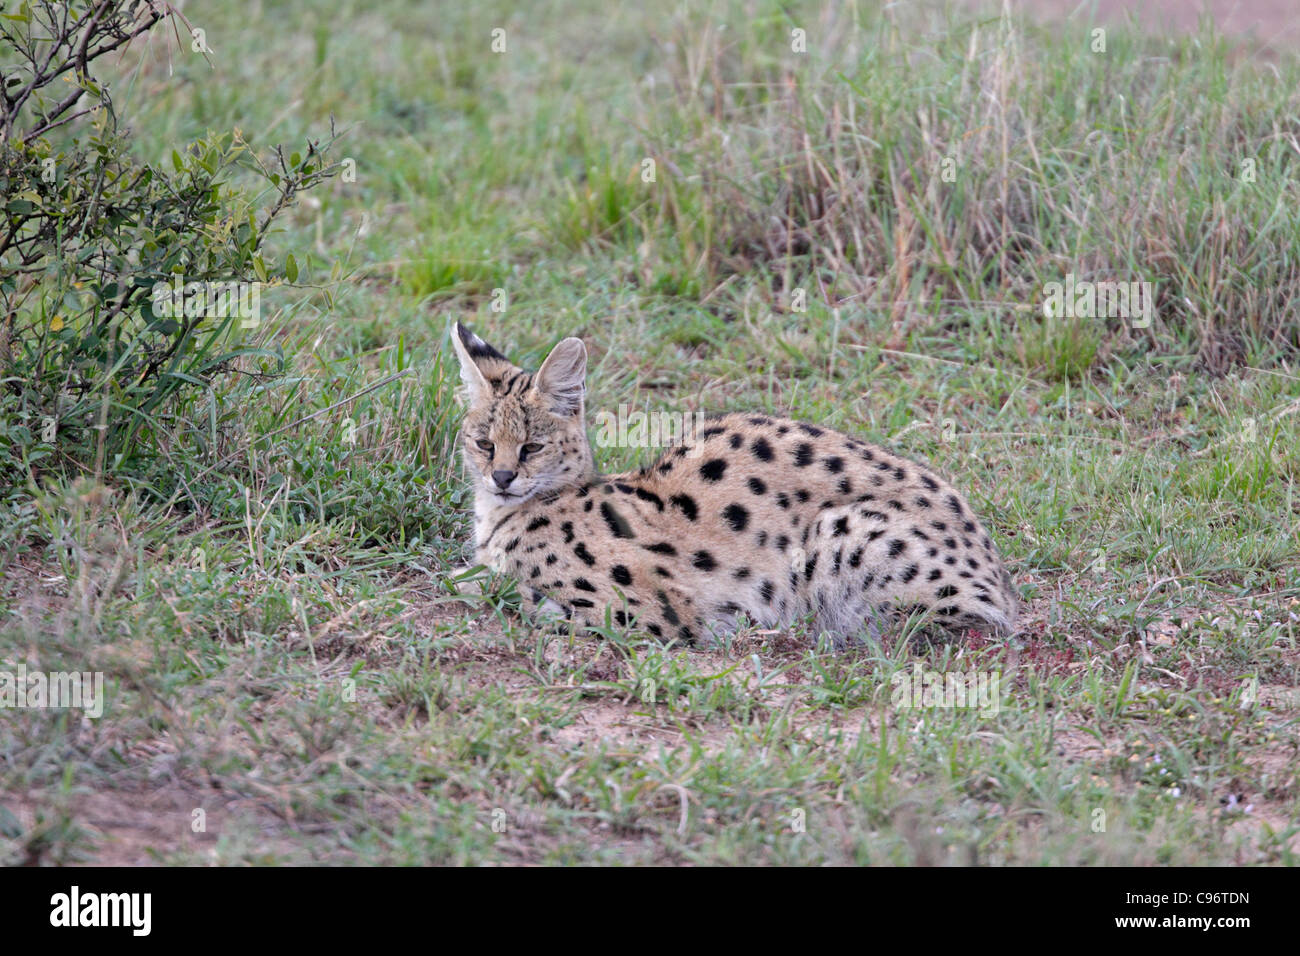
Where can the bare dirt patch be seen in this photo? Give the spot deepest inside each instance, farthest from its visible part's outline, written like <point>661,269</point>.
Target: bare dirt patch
<point>142,826</point>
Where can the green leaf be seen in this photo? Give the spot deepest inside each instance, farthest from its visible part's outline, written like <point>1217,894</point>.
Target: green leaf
<point>291,268</point>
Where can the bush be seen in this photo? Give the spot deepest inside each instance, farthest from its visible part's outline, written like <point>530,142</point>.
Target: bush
<point>98,362</point>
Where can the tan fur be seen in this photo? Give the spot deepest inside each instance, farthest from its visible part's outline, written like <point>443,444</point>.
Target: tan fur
<point>755,516</point>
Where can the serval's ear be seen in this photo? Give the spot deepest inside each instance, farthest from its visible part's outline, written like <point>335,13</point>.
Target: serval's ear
<point>561,378</point>
<point>475,355</point>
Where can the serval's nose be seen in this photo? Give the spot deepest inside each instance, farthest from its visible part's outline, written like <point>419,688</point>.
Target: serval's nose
<point>503,479</point>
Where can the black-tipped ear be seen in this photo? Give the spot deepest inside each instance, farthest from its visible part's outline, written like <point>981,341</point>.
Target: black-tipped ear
<point>561,379</point>
<point>471,350</point>
<point>475,347</point>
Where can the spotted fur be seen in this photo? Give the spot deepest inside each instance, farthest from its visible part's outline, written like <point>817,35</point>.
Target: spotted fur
<point>754,516</point>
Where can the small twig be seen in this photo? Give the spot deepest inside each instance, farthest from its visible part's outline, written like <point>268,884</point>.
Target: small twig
<point>67,119</point>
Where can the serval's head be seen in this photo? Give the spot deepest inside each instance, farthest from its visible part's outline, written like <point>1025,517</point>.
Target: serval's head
<point>524,433</point>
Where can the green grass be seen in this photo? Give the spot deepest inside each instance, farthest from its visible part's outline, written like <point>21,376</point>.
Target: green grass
<point>269,604</point>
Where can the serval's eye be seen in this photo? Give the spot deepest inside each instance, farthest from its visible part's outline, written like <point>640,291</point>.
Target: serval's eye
<point>532,448</point>
<point>487,446</point>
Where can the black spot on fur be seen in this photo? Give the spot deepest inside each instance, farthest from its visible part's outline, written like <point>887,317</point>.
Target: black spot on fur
<point>761,449</point>
<point>620,574</point>
<point>712,470</point>
<point>687,505</point>
<point>541,521</point>
<point>662,547</point>
<point>584,555</point>
<point>618,525</point>
<point>803,455</point>
<point>651,497</point>
<point>736,516</point>
<point>670,613</point>
<point>897,547</point>
<point>704,561</point>
<point>757,486</point>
